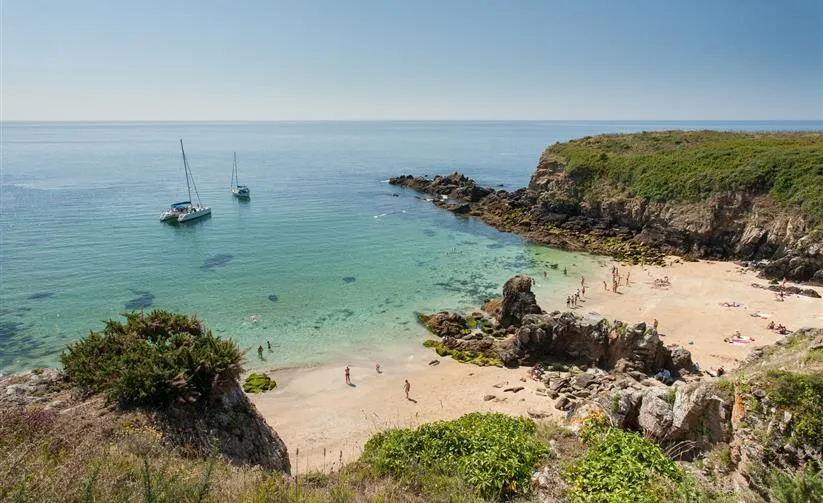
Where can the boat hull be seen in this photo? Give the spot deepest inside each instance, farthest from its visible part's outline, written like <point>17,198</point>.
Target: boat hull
<point>194,214</point>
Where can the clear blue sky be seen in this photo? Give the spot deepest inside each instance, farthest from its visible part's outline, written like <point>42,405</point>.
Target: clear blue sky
<point>411,59</point>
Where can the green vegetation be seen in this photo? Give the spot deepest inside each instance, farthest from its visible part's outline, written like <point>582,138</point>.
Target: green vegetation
<point>691,165</point>
<point>153,360</point>
<point>801,394</point>
<point>621,466</point>
<point>463,356</point>
<point>258,383</point>
<point>493,453</point>
<point>804,486</point>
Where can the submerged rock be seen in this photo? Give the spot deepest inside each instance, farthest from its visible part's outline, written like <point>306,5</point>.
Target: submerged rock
<point>220,260</point>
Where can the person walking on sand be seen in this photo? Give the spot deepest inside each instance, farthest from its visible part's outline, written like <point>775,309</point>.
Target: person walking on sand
<point>605,287</point>
<point>582,281</point>
<point>628,273</point>
<point>407,388</point>
<point>348,375</point>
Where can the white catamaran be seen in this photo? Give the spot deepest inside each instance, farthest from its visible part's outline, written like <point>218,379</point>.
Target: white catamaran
<point>239,191</point>
<point>185,211</point>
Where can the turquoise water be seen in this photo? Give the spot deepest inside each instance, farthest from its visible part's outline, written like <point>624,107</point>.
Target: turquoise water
<point>323,260</point>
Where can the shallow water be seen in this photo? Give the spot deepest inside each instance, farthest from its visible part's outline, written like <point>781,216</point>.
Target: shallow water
<point>326,258</point>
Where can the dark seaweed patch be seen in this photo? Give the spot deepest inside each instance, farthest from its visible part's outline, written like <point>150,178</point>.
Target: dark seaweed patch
<point>10,329</point>
<point>429,232</point>
<point>495,246</point>
<point>349,279</point>
<point>220,260</point>
<point>273,298</point>
<point>40,295</point>
<point>144,300</point>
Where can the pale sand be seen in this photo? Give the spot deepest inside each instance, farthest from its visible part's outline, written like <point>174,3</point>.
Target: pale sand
<point>313,410</point>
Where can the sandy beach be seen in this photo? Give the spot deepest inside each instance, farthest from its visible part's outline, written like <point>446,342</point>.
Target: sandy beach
<point>323,420</point>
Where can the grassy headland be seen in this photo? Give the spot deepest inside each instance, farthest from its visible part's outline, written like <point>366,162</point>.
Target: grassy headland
<point>693,165</point>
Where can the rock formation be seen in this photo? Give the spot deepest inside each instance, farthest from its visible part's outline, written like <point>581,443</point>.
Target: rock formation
<point>553,210</point>
<point>230,423</point>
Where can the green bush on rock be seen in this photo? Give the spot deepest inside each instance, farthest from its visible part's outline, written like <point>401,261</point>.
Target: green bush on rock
<point>258,383</point>
<point>621,466</point>
<point>153,360</point>
<point>494,453</point>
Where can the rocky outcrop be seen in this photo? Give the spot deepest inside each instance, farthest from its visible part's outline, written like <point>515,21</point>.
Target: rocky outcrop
<point>232,425</point>
<point>554,210</point>
<point>229,424</point>
<point>518,301</point>
<point>532,336</point>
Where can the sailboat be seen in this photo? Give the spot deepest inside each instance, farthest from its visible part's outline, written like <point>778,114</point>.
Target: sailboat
<point>239,191</point>
<point>185,211</point>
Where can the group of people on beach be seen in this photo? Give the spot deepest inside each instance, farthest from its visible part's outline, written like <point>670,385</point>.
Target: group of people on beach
<point>379,370</point>
<point>617,278</point>
<point>572,300</point>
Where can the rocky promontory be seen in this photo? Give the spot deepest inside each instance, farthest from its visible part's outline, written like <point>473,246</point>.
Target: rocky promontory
<point>748,197</point>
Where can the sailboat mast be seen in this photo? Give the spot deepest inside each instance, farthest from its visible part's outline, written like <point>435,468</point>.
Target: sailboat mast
<point>236,178</point>
<point>185,168</point>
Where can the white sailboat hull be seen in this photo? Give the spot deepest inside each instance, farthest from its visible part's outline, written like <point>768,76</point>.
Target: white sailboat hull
<point>194,213</point>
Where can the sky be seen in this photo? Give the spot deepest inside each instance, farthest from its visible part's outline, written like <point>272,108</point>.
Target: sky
<point>182,60</point>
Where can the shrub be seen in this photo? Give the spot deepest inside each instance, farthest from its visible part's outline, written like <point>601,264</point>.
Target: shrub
<point>494,453</point>
<point>804,486</point>
<point>799,393</point>
<point>258,383</point>
<point>622,466</point>
<point>153,360</point>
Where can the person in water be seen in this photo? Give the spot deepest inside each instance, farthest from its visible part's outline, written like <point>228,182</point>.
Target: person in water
<point>260,351</point>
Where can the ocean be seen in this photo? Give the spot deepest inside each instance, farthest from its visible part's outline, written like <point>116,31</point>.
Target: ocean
<point>325,260</point>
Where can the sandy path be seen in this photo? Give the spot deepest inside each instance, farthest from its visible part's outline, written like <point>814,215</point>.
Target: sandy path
<point>313,410</point>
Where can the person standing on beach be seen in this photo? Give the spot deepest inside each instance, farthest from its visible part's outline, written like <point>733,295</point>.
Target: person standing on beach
<point>605,287</point>
<point>565,273</point>
<point>655,324</point>
<point>348,375</point>
<point>260,352</point>
<point>377,368</point>
<point>628,273</point>
<point>407,388</point>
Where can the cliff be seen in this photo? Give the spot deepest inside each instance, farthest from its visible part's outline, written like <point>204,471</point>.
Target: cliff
<point>751,197</point>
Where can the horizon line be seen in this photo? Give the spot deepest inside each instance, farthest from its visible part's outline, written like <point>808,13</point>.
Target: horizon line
<point>178,121</point>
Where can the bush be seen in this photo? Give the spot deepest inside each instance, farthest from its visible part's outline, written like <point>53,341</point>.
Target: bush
<point>804,486</point>
<point>799,393</point>
<point>258,383</point>
<point>153,359</point>
<point>621,466</point>
<point>494,453</point>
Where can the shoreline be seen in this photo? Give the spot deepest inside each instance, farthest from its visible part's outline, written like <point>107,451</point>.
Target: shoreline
<point>314,411</point>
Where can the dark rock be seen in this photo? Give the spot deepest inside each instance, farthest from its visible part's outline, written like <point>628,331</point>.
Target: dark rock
<point>273,298</point>
<point>562,403</point>
<point>486,398</point>
<point>518,301</point>
<point>349,279</point>
<point>514,389</point>
<point>213,262</point>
